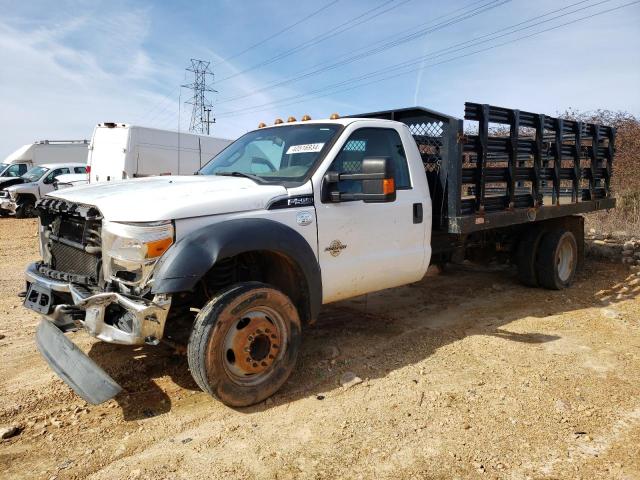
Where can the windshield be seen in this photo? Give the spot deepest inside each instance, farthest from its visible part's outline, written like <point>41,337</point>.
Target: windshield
<point>35,174</point>
<point>274,155</point>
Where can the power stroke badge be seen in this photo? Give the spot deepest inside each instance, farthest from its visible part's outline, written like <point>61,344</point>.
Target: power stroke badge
<point>335,248</point>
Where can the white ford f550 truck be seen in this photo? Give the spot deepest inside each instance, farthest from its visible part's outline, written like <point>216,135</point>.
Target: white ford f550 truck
<point>240,258</point>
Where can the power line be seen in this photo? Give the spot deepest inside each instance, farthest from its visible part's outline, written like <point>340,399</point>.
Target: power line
<point>167,102</point>
<point>165,98</point>
<point>170,96</point>
<point>385,46</point>
<point>314,41</point>
<point>421,59</point>
<point>395,75</point>
<point>280,32</point>
<point>343,27</point>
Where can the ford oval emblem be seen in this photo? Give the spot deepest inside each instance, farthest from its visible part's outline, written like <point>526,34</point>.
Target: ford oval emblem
<point>304,218</point>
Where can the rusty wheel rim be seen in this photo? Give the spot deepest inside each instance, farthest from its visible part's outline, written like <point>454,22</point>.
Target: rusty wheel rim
<point>253,344</point>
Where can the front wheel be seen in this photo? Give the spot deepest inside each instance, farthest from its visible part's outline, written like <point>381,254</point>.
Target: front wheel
<point>244,343</point>
<point>25,208</point>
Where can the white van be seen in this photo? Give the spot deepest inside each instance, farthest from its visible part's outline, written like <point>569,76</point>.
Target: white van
<point>119,151</point>
<point>39,153</point>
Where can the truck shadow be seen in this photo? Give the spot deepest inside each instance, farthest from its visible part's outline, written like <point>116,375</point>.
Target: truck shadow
<point>386,331</point>
<point>136,368</point>
<point>373,336</point>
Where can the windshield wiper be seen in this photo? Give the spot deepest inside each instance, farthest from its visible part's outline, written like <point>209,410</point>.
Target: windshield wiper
<point>255,178</point>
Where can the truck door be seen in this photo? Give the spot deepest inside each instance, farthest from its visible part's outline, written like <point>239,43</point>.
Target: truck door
<point>46,186</point>
<point>364,247</point>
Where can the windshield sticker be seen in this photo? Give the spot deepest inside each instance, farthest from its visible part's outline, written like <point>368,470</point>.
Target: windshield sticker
<point>308,148</point>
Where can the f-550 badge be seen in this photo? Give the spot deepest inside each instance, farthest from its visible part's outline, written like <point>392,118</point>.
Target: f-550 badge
<point>335,248</point>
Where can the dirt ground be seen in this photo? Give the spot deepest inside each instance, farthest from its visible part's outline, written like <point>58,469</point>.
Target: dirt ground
<point>465,375</point>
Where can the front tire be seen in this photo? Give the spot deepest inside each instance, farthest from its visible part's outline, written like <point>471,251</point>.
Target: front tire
<point>25,209</point>
<point>244,343</point>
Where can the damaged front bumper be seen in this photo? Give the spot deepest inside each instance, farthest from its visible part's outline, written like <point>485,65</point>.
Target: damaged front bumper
<point>8,205</point>
<point>108,316</point>
<point>73,366</point>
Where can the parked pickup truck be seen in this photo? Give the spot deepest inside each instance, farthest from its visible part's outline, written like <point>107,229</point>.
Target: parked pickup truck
<point>20,199</point>
<point>38,153</point>
<point>238,259</point>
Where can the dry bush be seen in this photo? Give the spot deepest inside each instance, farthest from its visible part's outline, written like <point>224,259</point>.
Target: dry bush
<point>625,182</point>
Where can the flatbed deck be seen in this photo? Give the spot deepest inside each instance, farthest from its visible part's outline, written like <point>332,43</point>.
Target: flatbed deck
<point>509,167</point>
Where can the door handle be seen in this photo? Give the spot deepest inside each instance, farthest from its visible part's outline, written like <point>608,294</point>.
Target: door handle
<point>417,213</point>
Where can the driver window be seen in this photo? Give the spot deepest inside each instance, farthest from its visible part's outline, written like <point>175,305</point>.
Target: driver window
<point>55,173</point>
<point>15,170</point>
<point>366,143</point>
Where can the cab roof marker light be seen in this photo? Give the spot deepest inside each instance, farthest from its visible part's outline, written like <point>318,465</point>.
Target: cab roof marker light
<point>262,125</point>
<point>278,121</point>
<point>334,116</point>
<point>291,119</point>
<point>306,118</point>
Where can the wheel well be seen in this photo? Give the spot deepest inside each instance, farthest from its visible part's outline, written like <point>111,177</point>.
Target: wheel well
<point>572,223</point>
<point>266,266</point>
<point>27,196</point>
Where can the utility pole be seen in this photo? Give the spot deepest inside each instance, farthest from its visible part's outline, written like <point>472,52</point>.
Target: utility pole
<point>208,110</point>
<point>200,114</point>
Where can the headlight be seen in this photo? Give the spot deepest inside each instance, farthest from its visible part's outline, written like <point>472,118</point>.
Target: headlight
<point>13,195</point>
<point>130,251</point>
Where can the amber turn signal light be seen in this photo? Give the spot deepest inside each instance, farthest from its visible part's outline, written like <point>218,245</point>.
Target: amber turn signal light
<point>388,186</point>
<point>158,247</point>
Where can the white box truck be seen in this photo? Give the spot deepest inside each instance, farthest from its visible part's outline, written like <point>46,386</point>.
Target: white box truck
<point>120,151</point>
<point>39,153</point>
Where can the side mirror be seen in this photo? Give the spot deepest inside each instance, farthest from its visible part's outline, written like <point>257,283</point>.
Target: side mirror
<point>48,181</point>
<point>378,183</point>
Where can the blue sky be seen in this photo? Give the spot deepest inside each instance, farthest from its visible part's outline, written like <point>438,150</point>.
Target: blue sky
<point>66,67</point>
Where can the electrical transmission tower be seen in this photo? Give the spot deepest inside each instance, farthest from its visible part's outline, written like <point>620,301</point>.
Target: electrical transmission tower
<point>201,113</point>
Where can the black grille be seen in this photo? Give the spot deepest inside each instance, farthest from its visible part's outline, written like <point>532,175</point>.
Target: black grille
<point>73,260</point>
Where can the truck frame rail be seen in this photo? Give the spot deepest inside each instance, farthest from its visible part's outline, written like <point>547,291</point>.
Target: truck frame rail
<point>508,166</point>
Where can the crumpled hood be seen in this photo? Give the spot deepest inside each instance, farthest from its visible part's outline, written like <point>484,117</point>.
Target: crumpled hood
<point>8,181</point>
<point>172,197</point>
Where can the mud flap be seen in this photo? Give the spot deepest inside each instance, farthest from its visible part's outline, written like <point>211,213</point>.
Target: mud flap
<point>73,366</point>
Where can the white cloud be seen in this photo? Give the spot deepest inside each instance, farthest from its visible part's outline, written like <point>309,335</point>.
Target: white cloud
<point>58,80</point>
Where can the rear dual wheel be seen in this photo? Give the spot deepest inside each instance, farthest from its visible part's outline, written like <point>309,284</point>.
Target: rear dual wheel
<point>244,343</point>
<point>557,259</point>
<point>548,258</point>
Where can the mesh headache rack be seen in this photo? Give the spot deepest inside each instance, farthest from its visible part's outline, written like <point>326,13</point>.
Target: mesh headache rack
<point>510,167</point>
